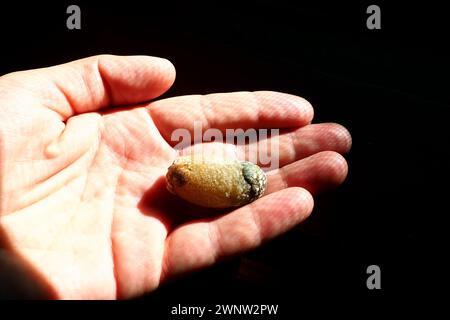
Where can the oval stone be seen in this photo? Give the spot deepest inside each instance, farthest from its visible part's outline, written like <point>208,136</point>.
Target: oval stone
<point>216,182</point>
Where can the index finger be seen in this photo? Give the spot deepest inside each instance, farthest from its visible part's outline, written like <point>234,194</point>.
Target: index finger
<point>244,110</point>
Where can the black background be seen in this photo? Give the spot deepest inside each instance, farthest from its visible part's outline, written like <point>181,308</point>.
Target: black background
<point>389,87</point>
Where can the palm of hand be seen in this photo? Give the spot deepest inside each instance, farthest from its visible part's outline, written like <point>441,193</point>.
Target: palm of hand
<point>84,202</point>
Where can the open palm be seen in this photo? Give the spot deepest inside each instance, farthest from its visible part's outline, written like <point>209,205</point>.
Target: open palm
<point>84,211</point>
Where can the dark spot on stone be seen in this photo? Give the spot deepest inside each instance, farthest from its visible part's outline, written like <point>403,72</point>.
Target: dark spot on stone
<point>248,171</point>
<point>178,178</point>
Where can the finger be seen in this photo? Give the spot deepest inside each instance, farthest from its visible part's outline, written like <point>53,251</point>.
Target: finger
<point>200,244</point>
<point>316,173</point>
<point>94,83</point>
<point>298,144</point>
<point>244,110</point>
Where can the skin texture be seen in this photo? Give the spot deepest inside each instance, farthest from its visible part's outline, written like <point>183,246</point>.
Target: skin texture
<point>84,212</point>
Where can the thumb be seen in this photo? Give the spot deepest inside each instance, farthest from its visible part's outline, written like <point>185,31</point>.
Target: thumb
<point>36,147</point>
<point>94,83</point>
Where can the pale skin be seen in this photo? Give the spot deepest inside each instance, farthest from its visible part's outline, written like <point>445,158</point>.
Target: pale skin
<point>84,212</point>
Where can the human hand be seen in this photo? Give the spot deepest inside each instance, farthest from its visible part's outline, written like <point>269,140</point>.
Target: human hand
<point>84,211</point>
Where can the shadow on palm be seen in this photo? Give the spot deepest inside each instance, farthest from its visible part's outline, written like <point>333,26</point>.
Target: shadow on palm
<point>171,210</point>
